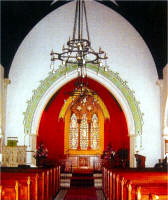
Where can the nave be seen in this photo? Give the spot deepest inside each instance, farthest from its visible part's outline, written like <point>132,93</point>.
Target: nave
<point>81,129</point>
<point>114,184</point>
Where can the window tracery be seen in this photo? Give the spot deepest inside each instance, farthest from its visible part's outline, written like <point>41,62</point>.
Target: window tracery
<point>84,127</point>
<point>73,132</point>
<point>84,133</point>
<point>94,133</point>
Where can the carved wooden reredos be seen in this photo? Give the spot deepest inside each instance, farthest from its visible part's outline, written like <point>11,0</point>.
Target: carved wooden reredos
<point>84,125</point>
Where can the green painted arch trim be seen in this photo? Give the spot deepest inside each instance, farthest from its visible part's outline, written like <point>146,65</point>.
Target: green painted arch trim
<point>45,84</point>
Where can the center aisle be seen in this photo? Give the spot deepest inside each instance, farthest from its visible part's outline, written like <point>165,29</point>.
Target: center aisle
<point>81,193</point>
<point>62,194</point>
<point>81,186</point>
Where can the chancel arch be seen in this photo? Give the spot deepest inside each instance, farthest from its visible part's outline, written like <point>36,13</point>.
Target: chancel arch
<point>111,81</point>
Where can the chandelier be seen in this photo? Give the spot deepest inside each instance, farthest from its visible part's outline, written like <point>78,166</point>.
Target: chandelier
<point>81,88</point>
<point>78,50</point>
<point>81,92</point>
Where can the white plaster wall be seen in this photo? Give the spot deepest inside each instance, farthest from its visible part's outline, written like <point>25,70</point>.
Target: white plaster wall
<point>3,90</point>
<point>127,52</point>
<point>164,107</point>
<point>1,99</point>
<point>1,109</point>
<point>165,101</point>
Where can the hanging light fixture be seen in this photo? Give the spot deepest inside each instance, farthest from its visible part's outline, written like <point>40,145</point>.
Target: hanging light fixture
<point>78,50</point>
<point>81,88</point>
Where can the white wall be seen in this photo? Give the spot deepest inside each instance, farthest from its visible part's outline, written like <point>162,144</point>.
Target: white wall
<point>1,99</point>
<point>164,107</point>
<point>127,52</point>
<point>165,101</point>
<point>3,90</point>
<point>3,93</point>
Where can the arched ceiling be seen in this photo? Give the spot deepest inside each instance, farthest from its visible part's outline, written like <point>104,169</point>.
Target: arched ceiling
<point>19,17</point>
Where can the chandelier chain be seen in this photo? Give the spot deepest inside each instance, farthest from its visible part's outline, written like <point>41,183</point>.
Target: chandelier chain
<point>78,50</point>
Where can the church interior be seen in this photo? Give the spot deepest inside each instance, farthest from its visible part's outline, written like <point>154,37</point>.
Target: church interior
<point>83,103</point>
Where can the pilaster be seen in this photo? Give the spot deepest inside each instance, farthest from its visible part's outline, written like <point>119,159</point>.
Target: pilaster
<point>31,148</point>
<point>164,110</point>
<point>132,151</point>
<point>3,98</point>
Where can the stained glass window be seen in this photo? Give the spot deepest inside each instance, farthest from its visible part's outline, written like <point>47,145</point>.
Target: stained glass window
<point>94,133</point>
<point>73,132</point>
<point>84,133</point>
<point>84,124</point>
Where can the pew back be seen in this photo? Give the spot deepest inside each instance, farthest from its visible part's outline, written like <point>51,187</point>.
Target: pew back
<point>131,184</point>
<point>29,184</point>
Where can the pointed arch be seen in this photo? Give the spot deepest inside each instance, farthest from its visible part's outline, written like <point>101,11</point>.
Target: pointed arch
<point>111,81</point>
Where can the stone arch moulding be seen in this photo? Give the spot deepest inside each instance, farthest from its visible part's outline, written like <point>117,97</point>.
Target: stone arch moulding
<point>112,81</point>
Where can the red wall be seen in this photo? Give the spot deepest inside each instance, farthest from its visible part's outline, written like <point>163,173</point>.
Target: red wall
<point>51,129</point>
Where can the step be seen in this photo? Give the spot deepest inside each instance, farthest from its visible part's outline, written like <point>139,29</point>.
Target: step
<point>81,179</point>
<point>65,180</point>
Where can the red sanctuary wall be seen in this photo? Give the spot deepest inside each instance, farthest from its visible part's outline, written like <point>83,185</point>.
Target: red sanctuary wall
<point>51,129</point>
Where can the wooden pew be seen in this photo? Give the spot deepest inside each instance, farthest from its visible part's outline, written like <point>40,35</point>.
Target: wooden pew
<point>43,184</point>
<point>150,183</point>
<point>131,184</point>
<point>153,192</point>
<point>9,190</point>
<point>27,185</point>
<point>158,188</point>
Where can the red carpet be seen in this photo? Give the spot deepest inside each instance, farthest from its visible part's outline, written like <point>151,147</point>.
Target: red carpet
<point>79,193</point>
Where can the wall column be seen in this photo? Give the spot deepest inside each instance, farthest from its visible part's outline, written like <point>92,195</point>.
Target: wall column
<point>164,111</point>
<point>31,148</point>
<point>132,151</point>
<point>3,98</point>
<point>1,110</point>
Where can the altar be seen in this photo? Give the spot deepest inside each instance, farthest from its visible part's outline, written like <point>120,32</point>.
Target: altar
<point>91,162</point>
